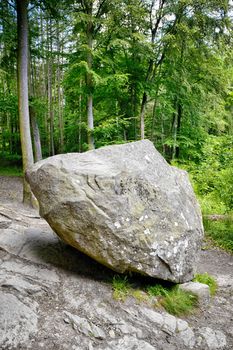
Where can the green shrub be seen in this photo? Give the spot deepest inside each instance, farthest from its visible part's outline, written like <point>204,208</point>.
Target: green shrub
<point>212,204</point>
<point>221,232</point>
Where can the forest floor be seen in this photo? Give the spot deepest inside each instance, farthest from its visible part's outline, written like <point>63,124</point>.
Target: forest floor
<point>53,297</point>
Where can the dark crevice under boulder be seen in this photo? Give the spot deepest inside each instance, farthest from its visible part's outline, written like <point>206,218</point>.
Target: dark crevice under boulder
<point>124,206</point>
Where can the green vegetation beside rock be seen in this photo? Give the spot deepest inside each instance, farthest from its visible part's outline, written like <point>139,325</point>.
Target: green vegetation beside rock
<point>220,232</point>
<point>207,279</point>
<point>169,297</point>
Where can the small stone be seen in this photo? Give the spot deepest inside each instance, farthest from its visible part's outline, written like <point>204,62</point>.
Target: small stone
<point>201,290</point>
<point>181,325</point>
<point>112,333</point>
<point>66,320</point>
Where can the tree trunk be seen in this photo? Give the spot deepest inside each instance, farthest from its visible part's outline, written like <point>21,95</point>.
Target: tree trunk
<point>22,65</point>
<point>50,90</point>
<point>153,139</point>
<point>90,115</point>
<point>36,136</point>
<point>32,112</point>
<point>179,116</point>
<point>174,131</point>
<point>142,115</point>
<point>59,95</point>
<point>80,120</point>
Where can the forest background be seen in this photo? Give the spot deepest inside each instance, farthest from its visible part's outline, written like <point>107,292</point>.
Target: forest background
<point>113,71</point>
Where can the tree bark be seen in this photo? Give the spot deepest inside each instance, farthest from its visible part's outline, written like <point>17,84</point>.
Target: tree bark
<point>33,120</point>
<point>22,80</point>
<point>179,116</point>
<point>59,95</point>
<point>142,115</point>
<point>49,88</point>
<point>36,136</point>
<point>90,115</point>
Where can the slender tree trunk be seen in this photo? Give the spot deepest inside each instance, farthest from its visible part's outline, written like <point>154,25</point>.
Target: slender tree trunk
<point>80,120</point>
<point>60,119</point>
<point>162,135</point>
<point>174,128</point>
<point>33,119</point>
<point>142,115</point>
<point>50,111</point>
<point>22,65</point>
<point>50,91</point>
<point>90,115</point>
<point>36,136</point>
<point>179,116</point>
<point>153,139</point>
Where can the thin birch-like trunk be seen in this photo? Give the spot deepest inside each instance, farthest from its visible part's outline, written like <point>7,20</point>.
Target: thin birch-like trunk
<point>22,65</point>
<point>90,115</point>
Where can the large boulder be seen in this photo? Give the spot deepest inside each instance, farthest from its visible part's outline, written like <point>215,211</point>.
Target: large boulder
<point>124,206</point>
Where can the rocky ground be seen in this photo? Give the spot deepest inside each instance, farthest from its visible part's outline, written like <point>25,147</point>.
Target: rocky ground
<point>52,297</point>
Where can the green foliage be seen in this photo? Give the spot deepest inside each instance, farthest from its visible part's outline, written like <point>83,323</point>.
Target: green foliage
<point>157,290</point>
<point>174,300</point>
<point>211,203</point>
<point>178,302</point>
<point>185,71</point>
<point>207,279</point>
<point>221,232</point>
<point>212,176</point>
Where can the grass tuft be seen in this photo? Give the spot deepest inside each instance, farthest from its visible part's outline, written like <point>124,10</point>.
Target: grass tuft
<point>157,290</point>
<point>207,279</point>
<point>121,287</point>
<point>171,298</point>
<point>174,300</point>
<point>178,302</point>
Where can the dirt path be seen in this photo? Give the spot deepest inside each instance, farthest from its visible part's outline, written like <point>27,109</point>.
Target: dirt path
<point>52,297</point>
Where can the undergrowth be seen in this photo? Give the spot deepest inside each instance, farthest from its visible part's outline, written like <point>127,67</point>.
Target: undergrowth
<point>221,232</point>
<point>174,300</point>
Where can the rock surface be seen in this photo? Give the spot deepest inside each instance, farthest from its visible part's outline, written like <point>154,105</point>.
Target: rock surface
<point>124,206</point>
<point>53,297</point>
